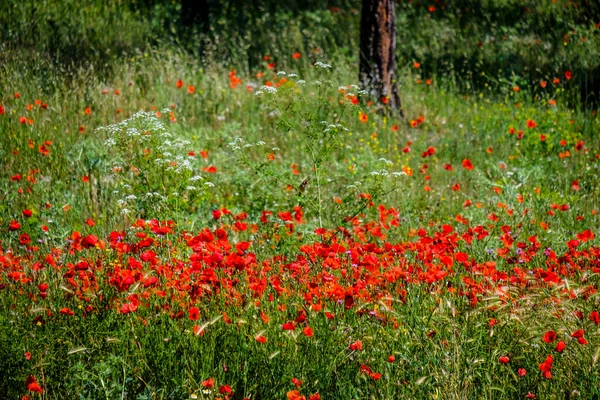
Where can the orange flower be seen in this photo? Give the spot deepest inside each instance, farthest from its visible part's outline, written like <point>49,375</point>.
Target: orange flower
<point>67,311</point>
<point>261,339</point>
<point>531,124</point>
<point>296,55</point>
<point>363,117</point>
<point>191,89</point>
<point>294,395</point>
<point>356,345</point>
<point>88,111</point>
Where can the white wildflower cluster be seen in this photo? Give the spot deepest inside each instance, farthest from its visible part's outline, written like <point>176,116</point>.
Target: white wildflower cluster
<point>319,64</point>
<point>355,87</point>
<point>381,172</point>
<point>269,89</point>
<point>239,144</point>
<point>335,128</point>
<point>151,165</point>
<point>385,161</point>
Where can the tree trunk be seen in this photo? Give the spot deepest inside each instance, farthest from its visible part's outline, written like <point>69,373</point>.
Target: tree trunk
<point>195,13</point>
<point>377,52</point>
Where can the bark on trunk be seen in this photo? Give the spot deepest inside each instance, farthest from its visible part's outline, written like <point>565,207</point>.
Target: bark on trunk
<point>377,52</point>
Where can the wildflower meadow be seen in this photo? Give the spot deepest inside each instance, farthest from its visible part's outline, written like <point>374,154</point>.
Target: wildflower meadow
<point>227,213</point>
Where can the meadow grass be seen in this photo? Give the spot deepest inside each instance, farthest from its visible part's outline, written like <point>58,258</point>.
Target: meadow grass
<point>178,229</point>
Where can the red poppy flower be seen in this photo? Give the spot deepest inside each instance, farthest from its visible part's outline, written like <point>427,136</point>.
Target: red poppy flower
<point>531,124</point>
<point>89,241</point>
<point>288,326</point>
<point>194,313</point>
<point>577,334</point>
<point>308,331</point>
<point>209,383</point>
<point>296,55</point>
<point>24,239</point>
<point>546,367</point>
<point>226,389</point>
<point>32,385</point>
<point>14,225</point>
<point>549,337</point>
<point>560,346</point>
<point>467,164</point>
<point>503,359</point>
<point>67,311</point>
